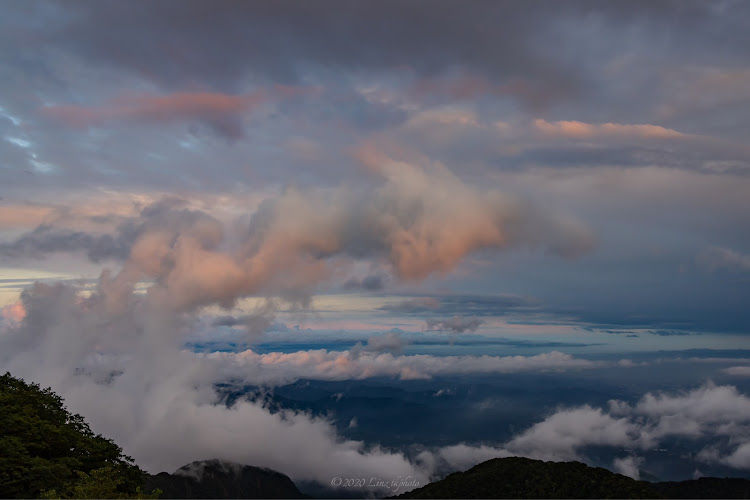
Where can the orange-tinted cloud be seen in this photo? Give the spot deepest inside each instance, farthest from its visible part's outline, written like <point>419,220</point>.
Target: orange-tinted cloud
<point>583,130</point>
<point>14,312</point>
<point>23,215</point>
<point>220,111</point>
<point>420,221</point>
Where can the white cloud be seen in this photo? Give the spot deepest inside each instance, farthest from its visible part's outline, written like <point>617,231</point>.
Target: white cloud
<point>709,411</point>
<point>562,435</point>
<point>742,371</point>
<point>723,258</point>
<point>277,367</point>
<point>116,358</point>
<point>162,408</point>
<point>739,458</point>
<point>628,466</point>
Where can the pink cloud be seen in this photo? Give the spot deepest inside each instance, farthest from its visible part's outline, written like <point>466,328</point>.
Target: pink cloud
<point>14,312</point>
<point>221,111</point>
<point>583,130</point>
<point>321,364</point>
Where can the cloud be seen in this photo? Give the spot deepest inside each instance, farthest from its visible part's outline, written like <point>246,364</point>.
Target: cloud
<point>14,312</point>
<point>710,413</point>
<point>717,258</point>
<point>582,130</point>
<point>116,357</point>
<point>421,221</point>
<point>390,342</point>
<point>628,466</point>
<point>463,87</point>
<point>120,363</point>
<point>22,215</point>
<point>369,283</point>
<point>47,239</point>
<point>221,112</point>
<point>255,323</point>
<point>57,235</point>
<point>670,333</point>
<point>739,458</point>
<point>370,361</point>
<point>456,324</point>
<point>461,133</point>
<point>742,371</point>
<point>124,369</point>
<point>562,435</point>
<point>282,41</point>
<point>228,320</point>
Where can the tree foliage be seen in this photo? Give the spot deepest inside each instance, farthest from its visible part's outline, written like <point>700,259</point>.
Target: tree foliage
<point>47,451</point>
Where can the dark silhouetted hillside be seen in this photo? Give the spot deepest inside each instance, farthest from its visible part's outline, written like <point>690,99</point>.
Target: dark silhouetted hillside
<point>705,487</point>
<point>217,479</point>
<point>525,478</point>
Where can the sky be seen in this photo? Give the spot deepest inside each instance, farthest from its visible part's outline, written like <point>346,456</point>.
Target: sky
<point>265,187</point>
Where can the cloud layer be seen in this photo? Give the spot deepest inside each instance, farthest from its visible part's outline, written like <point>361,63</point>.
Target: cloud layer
<point>717,415</point>
<point>420,221</point>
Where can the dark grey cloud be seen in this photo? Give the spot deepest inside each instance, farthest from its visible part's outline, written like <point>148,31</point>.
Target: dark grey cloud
<point>46,239</point>
<point>50,238</point>
<point>456,324</point>
<point>392,342</point>
<point>630,333</point>
<point>609,331</point>
<point>260,321</point>
<point>228,320</point>
<point>369,283</point>
<point>670,333</point>
<point>226,41</point>
<point>255,323</point>
<point>180,42</point>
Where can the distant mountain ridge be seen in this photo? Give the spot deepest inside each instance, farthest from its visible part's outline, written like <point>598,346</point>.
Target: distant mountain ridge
<point>517,477</point>
<point>221,479</point>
